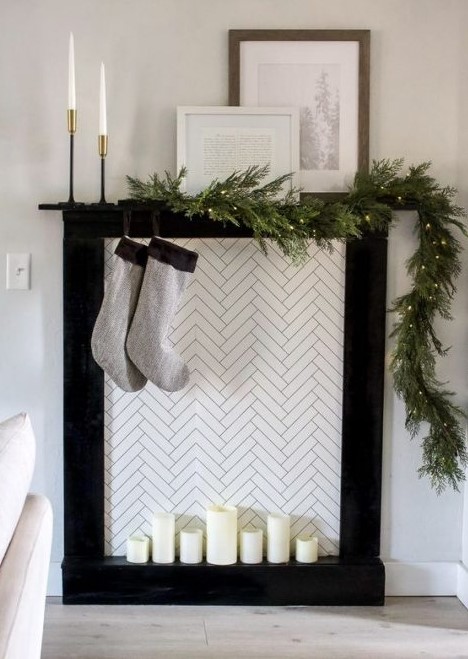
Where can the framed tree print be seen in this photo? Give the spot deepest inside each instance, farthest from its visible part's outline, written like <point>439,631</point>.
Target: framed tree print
<point>324,73</point>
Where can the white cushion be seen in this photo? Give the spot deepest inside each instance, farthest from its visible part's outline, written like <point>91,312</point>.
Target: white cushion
<point>23,582</point>
<point>17,455</point>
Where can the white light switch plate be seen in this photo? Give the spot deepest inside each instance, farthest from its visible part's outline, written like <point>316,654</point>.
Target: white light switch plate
<point>18,272</point>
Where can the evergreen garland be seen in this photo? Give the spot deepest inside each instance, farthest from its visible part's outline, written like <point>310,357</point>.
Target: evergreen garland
<point>368,206</point>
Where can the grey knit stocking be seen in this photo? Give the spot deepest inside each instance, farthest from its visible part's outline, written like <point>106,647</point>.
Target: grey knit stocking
<point>117,309</point>
<point>167,273</point>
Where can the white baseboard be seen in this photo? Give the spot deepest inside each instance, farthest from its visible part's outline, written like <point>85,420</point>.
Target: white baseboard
<point>462,592</point>
<point>421,579</point>
<point>54,585</point>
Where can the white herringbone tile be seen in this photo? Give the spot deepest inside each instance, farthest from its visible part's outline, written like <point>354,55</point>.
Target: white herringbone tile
<point>259,425</point>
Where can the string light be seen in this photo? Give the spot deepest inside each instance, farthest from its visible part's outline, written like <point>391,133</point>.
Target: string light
<point>428,226</point>
<point>301,221</point>
<point>409,308</point>
<point>368,218</point>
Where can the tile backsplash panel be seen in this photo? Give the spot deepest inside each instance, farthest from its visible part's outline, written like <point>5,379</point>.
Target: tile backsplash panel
<point>259,424</point>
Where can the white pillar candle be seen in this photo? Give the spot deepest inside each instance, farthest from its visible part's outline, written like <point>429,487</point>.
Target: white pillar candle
<point>163,538</point>
<point>278,549</point>
<point>191,546</point>
<point>138,549</point>
<point>102,103</point>
<point>251,546</point>
<point>71,74</point>
<point>221,535</point>
<point>306,549</point>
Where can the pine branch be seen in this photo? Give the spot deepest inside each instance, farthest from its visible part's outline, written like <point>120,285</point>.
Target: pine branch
<point>275,215</point>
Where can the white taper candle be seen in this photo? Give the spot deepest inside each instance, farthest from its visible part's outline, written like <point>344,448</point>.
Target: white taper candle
<point>102,103</point>
<point>71,74</point>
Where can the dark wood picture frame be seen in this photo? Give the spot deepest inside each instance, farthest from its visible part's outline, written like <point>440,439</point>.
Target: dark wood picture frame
<point>362,37</point>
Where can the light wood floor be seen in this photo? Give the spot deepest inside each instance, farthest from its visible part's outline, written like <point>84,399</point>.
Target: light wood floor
<point>404,628</point>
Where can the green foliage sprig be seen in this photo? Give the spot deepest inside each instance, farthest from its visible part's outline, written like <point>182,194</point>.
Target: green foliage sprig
<point>242,199</point>
<point>265,209</point>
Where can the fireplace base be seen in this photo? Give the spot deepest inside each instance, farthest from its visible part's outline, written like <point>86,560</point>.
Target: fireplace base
<point>330,581</point>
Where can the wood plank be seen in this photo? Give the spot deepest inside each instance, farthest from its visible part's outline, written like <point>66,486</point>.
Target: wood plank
<point>405,627</point>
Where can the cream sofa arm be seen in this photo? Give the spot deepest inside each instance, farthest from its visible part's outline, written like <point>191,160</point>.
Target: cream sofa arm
<point>23,582</point>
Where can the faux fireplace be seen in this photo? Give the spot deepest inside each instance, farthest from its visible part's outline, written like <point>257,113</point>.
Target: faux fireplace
<point>355,576</point>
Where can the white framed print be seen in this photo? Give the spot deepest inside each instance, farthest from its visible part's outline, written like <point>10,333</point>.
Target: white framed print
<point>214,142</point>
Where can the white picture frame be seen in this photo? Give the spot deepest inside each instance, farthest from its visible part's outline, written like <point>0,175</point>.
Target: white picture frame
<point>216,141</point>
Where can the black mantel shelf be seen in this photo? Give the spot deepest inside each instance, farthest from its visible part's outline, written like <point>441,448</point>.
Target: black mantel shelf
<point>106,220</point>
<point>356,577</point>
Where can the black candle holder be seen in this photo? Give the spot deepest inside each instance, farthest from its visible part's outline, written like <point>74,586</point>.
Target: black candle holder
<point>103,181</point>
<point>71,119</point>
<point>102,147</point>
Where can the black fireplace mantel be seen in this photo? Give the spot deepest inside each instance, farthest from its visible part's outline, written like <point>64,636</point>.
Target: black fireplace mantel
<point>356,577</point>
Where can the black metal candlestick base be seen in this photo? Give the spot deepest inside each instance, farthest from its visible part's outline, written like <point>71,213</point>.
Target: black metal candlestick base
<point>102,201</point>
<point>103,180</point>
<point>71,201</point>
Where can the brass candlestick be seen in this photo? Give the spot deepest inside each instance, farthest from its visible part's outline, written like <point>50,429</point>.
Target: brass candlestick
<point>102,147</point>
<point>71,118</point>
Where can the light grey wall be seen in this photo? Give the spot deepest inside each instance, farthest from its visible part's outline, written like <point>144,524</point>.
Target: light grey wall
<point>164,53</point>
